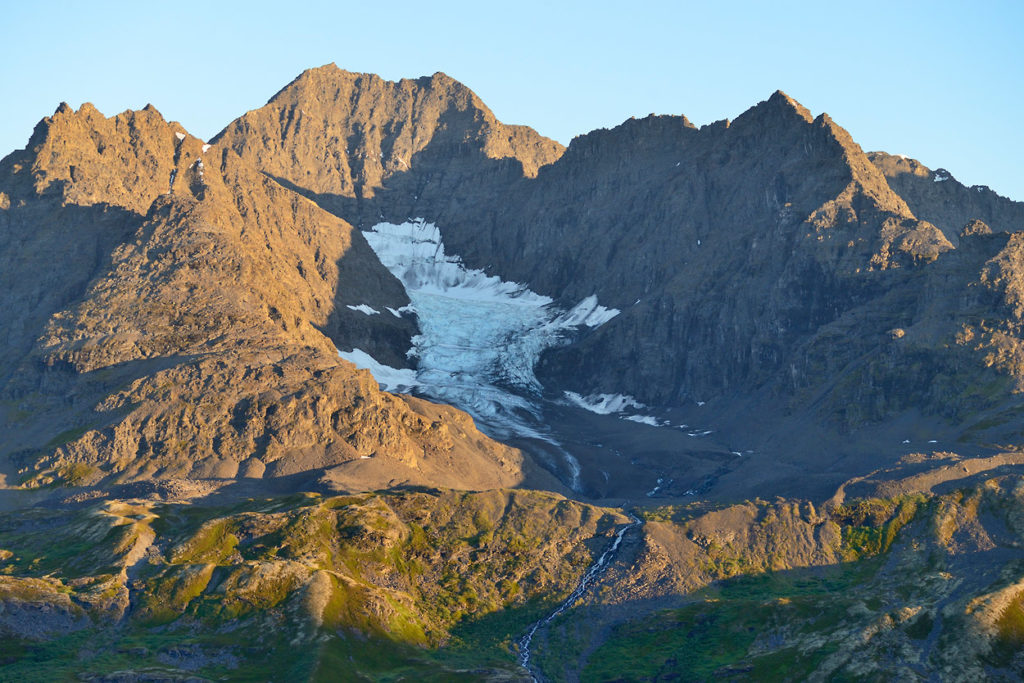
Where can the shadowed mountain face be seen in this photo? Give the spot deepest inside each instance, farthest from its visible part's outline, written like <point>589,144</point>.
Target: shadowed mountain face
<point>765,257</point>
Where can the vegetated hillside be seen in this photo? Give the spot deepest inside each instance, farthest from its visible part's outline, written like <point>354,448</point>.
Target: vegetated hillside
<point>303,586</point>
<point>169,311</point>
<point>938,197</point>
<point>924,581</point>
<point>914,572</point>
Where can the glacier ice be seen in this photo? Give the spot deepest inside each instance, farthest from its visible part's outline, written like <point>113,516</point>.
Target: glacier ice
<point>480,336</point>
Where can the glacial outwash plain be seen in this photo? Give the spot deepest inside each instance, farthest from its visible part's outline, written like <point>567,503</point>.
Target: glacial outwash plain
<point>372,386</point>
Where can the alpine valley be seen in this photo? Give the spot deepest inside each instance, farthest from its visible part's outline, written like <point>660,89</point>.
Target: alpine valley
<point>373,386</point>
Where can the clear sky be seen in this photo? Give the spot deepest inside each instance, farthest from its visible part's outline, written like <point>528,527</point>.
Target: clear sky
<point>939,81</point>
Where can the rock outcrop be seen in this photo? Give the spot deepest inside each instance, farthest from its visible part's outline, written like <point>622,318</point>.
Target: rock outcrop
<point>938,197</point>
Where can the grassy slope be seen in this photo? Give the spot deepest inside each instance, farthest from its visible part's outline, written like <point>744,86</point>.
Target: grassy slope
<point>437,585</point>
<point>921,585</point>
<point>374,586</point>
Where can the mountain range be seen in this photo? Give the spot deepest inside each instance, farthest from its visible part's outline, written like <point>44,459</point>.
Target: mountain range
<point>374,371</point>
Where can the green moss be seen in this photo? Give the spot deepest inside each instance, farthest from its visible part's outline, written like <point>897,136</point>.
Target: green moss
<point>166,597</point>
<point>1009,637</point>
<point>75,474</point>
<point>212,544</point>
<point>870,526</point>
<point>712,638</point>
<point>67,436</point>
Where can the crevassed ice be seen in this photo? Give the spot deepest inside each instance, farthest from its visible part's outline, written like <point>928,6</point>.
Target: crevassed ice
<point>480,336</point>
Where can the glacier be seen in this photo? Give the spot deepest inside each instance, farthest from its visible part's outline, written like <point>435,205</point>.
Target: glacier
<point>480,336</point>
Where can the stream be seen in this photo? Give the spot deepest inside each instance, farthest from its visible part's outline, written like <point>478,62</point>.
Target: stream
<point>588,578</point>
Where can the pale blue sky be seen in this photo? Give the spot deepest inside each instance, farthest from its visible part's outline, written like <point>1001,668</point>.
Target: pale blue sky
<point>939,81</point>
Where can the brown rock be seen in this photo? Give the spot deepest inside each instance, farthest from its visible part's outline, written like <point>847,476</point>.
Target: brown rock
<point>199,339</point>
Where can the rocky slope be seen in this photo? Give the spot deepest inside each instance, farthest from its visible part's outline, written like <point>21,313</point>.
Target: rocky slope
<point>921,581</point>
<point>938,197</point>
<point>193,321</point>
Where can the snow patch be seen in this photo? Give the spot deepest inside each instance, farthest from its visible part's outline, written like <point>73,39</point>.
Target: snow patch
<point>644,419</point>
<point>206,148</point>
<point>397,380</point>
<point>363,308</point>
<point>587,312</point>
<point>603,404</point>
<point>180,136</point>
<point>661,482</point>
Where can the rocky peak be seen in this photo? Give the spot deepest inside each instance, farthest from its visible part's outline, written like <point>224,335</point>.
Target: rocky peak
<point>780,101</point>
<point>144,273</point>
<point>340,133</point>
<point>653,134</point>
<point>126,160</point>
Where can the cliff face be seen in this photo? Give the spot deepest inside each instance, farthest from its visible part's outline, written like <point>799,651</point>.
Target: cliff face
<point>725,247</point>
<point>938,197</point>
<point>193,325</point>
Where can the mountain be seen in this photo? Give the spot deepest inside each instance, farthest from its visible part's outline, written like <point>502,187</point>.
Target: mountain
<point>172,312</point>
<point>763,266</point>
<point>341,137</point>
<point>375,385</point>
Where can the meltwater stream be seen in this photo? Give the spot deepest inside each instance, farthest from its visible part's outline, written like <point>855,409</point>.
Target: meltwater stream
<point>480,336</point>
<point>592,573</point>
